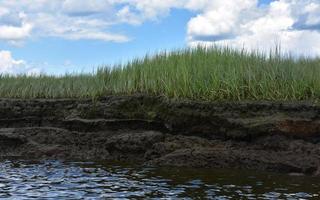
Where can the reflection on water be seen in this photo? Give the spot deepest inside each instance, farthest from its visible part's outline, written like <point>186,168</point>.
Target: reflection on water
<point>83,180</point>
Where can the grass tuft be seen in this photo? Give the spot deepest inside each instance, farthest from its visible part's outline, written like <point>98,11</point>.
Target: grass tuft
<point>213,74</point>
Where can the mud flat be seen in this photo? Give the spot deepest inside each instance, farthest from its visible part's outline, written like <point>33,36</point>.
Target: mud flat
<point>269,136</point>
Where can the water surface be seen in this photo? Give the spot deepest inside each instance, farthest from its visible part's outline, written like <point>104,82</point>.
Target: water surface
<point>20,179</point>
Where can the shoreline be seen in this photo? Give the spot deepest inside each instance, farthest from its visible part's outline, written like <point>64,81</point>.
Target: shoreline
<point>268,136</point>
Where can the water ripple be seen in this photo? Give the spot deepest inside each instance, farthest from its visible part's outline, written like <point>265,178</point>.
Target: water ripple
<point>88,180</point>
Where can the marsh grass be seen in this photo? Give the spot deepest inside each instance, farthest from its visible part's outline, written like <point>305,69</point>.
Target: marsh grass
<point>212,74</point>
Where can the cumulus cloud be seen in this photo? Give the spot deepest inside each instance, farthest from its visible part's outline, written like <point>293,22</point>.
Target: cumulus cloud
<point>295,24</point>
<point>69,19</point>
<point>308,17</point>
<point>220,20</point>
<point>15,33</point>
<point>9,65</point>
<point>78,19</point>
<point>292,24</point>
<point>153,9</point>
<point>75,28</point>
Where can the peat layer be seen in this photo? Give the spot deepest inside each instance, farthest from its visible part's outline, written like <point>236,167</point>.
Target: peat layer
<point>282,137</point>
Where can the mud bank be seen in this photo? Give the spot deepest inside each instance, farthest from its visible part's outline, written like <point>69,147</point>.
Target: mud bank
<point>281,137</point>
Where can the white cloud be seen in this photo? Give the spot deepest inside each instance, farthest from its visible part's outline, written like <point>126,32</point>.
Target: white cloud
<point>77,19</point>
<point>3,11</point>
<point>312,10</point>
<point>69,19</point>
<point>12,32</point>
<point>97,36</point>
<point>15,33</point>
<point>9,65</point>
<point>126,15</point>
<point>293,24</point>
<point>150,9</point>
<point>75,28</point>
<point>219,20</point>
<point>83,7</point>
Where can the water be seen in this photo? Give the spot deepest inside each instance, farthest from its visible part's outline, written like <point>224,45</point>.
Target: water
<point>84,180</point>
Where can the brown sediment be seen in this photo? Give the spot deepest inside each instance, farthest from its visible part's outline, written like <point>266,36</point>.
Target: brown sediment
<point>273,136</point>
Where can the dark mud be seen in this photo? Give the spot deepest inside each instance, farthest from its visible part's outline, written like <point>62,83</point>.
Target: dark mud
<point>269,136</point>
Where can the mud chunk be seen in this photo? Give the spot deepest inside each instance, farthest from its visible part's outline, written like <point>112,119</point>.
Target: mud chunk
<point>134,142</point>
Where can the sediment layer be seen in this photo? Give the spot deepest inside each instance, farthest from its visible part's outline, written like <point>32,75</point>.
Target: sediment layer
<point>273,136</point>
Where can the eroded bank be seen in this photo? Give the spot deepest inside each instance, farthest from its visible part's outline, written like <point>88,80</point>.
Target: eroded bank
<point>272,136</point>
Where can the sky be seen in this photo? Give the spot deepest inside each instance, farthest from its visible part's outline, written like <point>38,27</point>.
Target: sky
<point>66,36</point>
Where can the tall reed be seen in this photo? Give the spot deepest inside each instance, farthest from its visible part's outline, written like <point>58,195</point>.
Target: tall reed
<point>212,74</point>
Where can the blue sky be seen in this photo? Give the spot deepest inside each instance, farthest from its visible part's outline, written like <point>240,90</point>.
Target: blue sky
<point>73,55</point>
<point>62,36</point>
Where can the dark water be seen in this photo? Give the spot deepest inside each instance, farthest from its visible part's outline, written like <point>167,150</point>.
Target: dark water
<point>83,180</point>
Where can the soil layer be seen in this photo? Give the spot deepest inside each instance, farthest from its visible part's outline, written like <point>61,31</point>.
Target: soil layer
<point>270,136</point>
